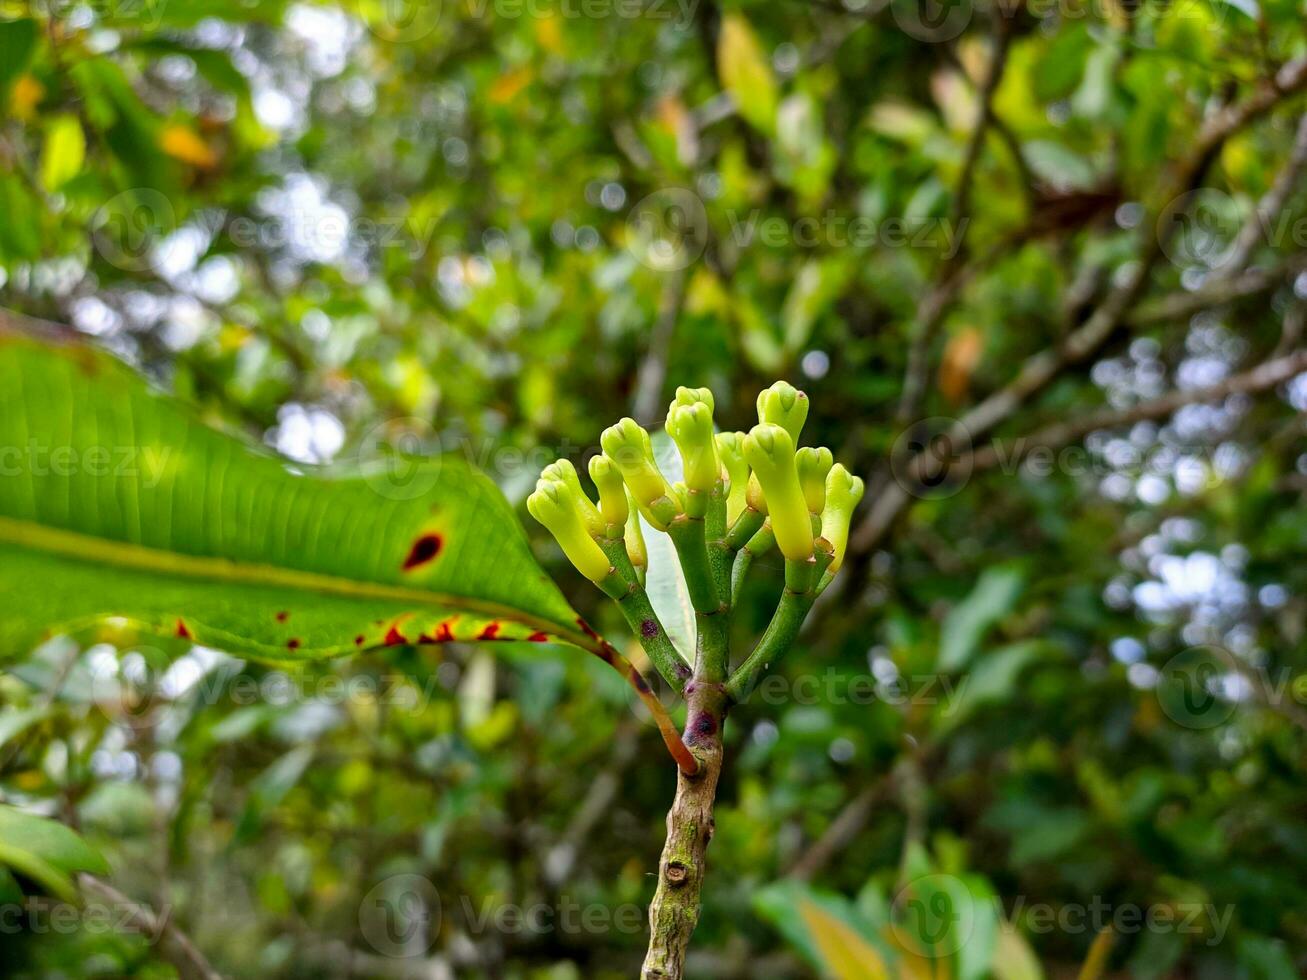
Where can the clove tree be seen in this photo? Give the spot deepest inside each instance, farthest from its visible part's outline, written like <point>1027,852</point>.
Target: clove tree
<point>743,494</point>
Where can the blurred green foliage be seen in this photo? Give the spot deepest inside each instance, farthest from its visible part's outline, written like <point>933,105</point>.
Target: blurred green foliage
<point>491,228</point>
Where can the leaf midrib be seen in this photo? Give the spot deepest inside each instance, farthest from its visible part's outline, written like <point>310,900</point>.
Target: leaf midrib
<point>85,547</point>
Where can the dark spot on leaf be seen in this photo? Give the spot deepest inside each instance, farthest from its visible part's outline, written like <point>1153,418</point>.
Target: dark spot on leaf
<point>640,684</point>
<point>649,629</point>
<point>283,616</point>
<point>490,632</point>
<point>683,671</point>
<point>444,634</point>
<point>587,628</point>
<point>182,631</point>
<point>424,549</point>
<point>293,644</point>
<point>394,637</point>
<point>538,637</point>
<point>359,640</point>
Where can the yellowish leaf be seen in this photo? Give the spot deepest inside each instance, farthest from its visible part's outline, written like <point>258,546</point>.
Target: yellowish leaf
<point>956,100</point>
<point>1013,957</point>
<point>232,337</point>
<point>911,964</point>
<point>847,955</point>
<point>903,122</point>
<point>64,151</point>
<point>746,73</point>
<point>675,118</point>
<point>24,97</point>
<point>508,85</point>
<point>1099,950</point>
<point>180,143</point>
<point>961,355</point>
<point>549,34</point>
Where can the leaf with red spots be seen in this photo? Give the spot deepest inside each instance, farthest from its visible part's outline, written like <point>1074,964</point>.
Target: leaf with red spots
<point>219,543</point>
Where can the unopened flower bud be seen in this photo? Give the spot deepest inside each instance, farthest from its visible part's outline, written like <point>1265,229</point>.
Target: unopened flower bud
<point>784,405</point>
<point>693,396</point>
<point>554,505</point>
<point>813,464</point>
<point>730,451</point>
<point>612,491</point>
<point>628,446</point>
<point>691,428</point>
<point>634,536</point>
<point>563,471</point>
<point>843,491</point>
<point>769,449</point>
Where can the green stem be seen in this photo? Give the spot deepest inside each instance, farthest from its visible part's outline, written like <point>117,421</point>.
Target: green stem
<point>745,527</point>
<point>639,614</point>
<point>779,637</point>
<point>688,535</point>
<point>720,555</point>
<point>713,657</point>
<point>739,571</point>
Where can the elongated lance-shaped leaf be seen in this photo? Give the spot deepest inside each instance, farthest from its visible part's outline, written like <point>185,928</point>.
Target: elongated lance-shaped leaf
<point>118,506</point>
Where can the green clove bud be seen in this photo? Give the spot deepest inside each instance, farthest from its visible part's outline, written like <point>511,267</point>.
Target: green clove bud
<point>843,491</point>
<point>769,449</point>
<point>730,452</point>
<point>693,396</point>
<point>563,471</point>
<point>784,405</point>
<point>628,446</point>
<point>691,428</point>
<point>634,537</point>
<point>612,494</point>
<point>813,465</point>
<point>554,504</point>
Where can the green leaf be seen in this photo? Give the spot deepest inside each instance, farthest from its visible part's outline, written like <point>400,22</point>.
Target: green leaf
<point>15,722</point>
<point>664,581</point>
<point>992,679</point>
<point>17,42</point>
<point>817,286</point>
<point>1266,959</point>
<point>20,231</point>
<point>746,73</point>
<point>40,871</point>
<point>46,851</point>
<point>1059,166</point>
<point>779,901</point>
<point>270,787</point>
<point>64,151</point>
<point>116,505</point>
<point>966,624</point>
